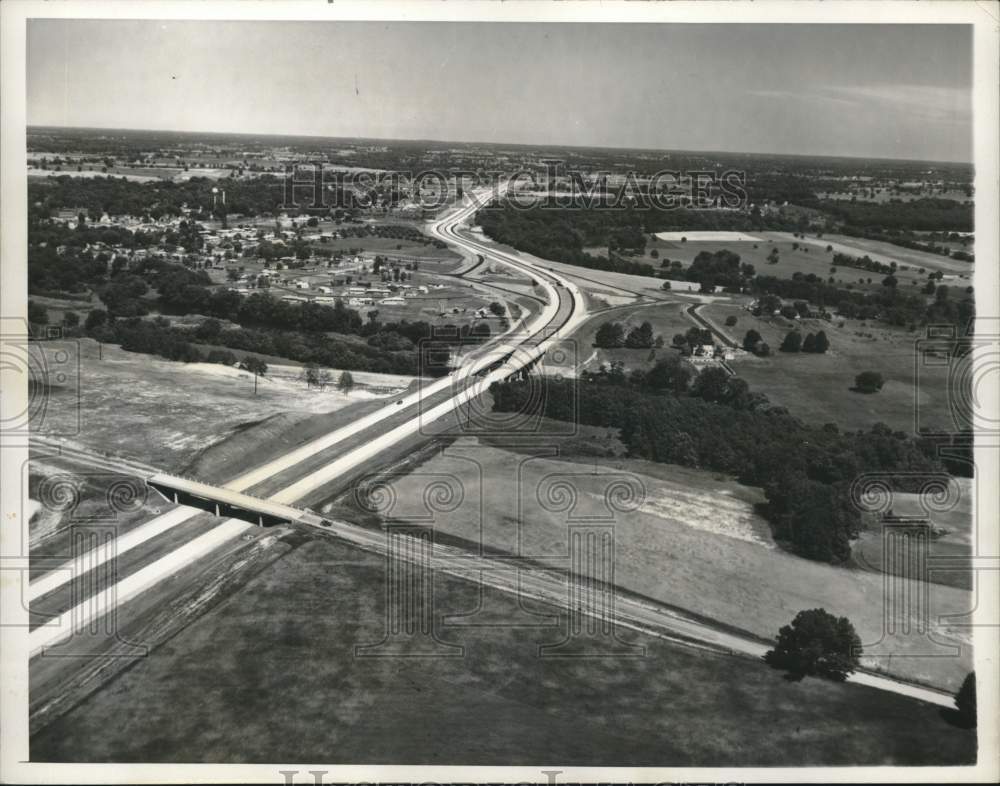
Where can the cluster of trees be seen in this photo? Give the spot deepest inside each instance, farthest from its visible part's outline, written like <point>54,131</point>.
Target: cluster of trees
<point>158,337</point>
<point>396,231</point>
<point>261,195</point>
<point>864,263</point>
<point>120,196</point>
<point>80,268</point>
<point>561,235</point>
<point>922,242</point>
<point>692,338</point>
<point>754,342</point>
<point>813,342</point>
<point>891,304</point>
<point>564,233</point>
<point>316,376</point>
<point>719,268</point>
<point>714,421</point>
<point>614,335</point>
<point>311,336</point>
<point>927,214</point>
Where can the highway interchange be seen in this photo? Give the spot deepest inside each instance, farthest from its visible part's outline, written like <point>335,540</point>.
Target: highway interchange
<point>317,463</point>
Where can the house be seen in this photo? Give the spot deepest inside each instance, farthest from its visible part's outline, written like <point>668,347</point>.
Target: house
<point>392,301</point>
<point>302,284</point>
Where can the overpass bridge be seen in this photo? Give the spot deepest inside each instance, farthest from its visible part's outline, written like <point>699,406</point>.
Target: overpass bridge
<point>224,502</point>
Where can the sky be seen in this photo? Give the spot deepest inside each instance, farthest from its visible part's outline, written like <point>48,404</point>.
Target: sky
<point>899,91</point>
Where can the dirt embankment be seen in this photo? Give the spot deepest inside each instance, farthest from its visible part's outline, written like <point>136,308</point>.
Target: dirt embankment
<point>257,442</point>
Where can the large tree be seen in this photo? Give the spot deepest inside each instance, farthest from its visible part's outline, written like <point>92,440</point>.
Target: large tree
<point>792,342</point>
<point>817,644</point>
<point>640,337</point>
<point>751,340</point>
<point>712,384</point>
<point>610,335</point>
<point>869,382</point>
<point>669,374</point>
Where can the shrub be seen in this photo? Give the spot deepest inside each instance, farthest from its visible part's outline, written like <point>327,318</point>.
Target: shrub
<point>869,382</point>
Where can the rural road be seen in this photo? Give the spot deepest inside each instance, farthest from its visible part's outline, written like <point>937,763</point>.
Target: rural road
<point>563,313</point>
<point>708,325</point>
<point>551,587</point>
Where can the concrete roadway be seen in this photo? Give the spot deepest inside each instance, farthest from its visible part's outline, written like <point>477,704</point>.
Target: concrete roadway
<point>426,406</point>
<point>564,312</point>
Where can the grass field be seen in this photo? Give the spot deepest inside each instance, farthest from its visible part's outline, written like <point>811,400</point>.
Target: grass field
<point>668,318</point>
<point>954,541</point>
<point>391,246</point>
<point>694,542</point>
<point>173,410</point>
<point>817,388</point>
<point>270,674</point>
<point>811,256</point>
<point>790,261</point>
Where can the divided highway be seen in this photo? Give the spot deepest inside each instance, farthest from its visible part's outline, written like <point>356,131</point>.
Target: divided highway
<point>563,312</point>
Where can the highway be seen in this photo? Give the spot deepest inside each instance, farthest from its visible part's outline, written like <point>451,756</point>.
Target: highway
<point>559,316</point>
<point>563,312</point>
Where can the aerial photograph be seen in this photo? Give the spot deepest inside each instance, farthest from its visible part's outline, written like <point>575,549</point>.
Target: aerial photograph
<point>486,394</point>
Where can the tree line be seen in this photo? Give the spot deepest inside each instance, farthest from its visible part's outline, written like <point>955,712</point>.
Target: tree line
<point>713,421</point>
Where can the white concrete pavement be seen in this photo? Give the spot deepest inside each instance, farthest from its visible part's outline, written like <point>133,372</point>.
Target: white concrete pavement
<point>542,586</point>
<point>106,600</point>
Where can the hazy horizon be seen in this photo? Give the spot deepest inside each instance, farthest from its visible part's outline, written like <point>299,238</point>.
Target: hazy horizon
<point>500,143</point>
<point>899,92</point>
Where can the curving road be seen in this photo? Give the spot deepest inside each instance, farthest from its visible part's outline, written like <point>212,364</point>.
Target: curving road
<point>563,312</point>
